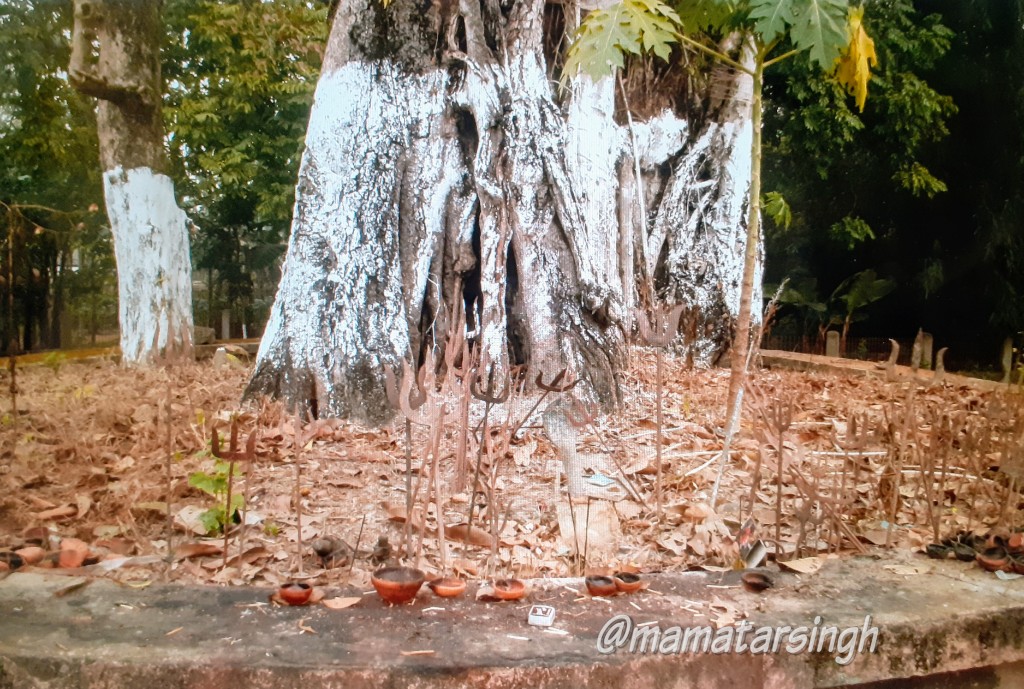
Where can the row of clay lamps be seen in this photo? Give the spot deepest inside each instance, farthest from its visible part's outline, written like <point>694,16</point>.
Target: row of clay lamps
<point>397,585</point>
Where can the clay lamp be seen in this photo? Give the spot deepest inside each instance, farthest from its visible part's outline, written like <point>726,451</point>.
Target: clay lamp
<point>756,581</point>
<point>963,551</point>
<point>397,585</point>
<point>295,593</point>
<point>994,559</point>
<point>447,587</point>
<point>509,589</point>
<point>601,586</point>
<point>627,582</point>
<point>1015,543</point>
<point>1017,563</point>
<point>971,540</point>
<point>938,551</point>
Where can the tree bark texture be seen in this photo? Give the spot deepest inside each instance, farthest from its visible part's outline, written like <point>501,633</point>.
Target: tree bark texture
<point>116,58</point>
<point>443,162</point>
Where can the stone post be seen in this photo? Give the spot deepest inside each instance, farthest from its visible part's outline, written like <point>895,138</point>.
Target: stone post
<point>832,343</point>
<point>927,347</point>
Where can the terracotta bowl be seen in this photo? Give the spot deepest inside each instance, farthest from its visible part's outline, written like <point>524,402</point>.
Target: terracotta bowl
<point>509,589</point>
<point>994,559</point>
<point>757,582</point>
<point>627,582</point>
<point>397,584</point>
<point>448,587</point>
<point>295,593</point>
<point>601,586</point>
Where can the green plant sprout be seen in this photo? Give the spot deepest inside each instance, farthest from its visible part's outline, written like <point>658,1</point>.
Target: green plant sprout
<point>215,484</point>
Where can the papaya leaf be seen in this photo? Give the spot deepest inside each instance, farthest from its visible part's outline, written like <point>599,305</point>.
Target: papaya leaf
<point>771,17</point>
<point>820,28</point>
<point>599,43</point>
<point>631,26</point>
<point>853,70</point>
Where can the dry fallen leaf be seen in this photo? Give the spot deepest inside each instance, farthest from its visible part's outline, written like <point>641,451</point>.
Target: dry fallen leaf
<point>805,565</point>
<point>188,550</point>
<point>341,603</point>
<point>82,504</point>
<point>62,512</point>
<point>473,536</point>
<point>249,556</point>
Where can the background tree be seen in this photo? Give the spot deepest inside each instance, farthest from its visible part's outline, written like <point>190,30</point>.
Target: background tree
<point>968,273</point>
<point>240,79</point>
<point>115,58</point>
<point>49,179</point>
<point>847,174</point>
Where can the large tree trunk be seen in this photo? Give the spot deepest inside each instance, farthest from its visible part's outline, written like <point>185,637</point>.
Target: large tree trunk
<point>442,164</point>
<point>116,58</point>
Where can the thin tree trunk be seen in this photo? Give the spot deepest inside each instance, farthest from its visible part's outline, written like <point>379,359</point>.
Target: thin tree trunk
<point>751,279</point>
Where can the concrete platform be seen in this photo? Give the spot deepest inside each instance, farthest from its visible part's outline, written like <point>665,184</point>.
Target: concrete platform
<point>932,618</point>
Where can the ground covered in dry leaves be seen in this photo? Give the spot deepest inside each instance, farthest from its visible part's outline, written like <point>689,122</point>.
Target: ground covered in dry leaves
<point>97,458</point>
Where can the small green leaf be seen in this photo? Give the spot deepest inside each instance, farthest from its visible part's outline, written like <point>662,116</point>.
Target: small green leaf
<point>776,208</point>
<point>204,482</point>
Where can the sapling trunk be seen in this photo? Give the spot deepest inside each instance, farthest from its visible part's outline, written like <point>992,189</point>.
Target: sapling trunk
<point>298,494</point>
<point>167,475</point>
<point>658,420</point>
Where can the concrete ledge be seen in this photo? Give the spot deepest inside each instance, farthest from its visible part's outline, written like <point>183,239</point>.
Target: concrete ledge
<point>933,618</point>
<point>796,361</point>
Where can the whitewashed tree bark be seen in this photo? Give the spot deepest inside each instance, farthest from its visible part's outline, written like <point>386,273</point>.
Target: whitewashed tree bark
<point>439,153</point>
<point>115,58</point>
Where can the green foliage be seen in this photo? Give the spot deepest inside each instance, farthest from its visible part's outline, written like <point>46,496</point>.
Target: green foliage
<point>711,16</point>
<point>851,231</point>
<point>215,484</point>
<point>47,130</point>
<point>630,26</point>
<point>775,207</point>
<point>916,178</point>
<point>861,290</point>
<point>817,28</point>
<point>240,78</point>
<point>850,173</point>
<point>50,176</point>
